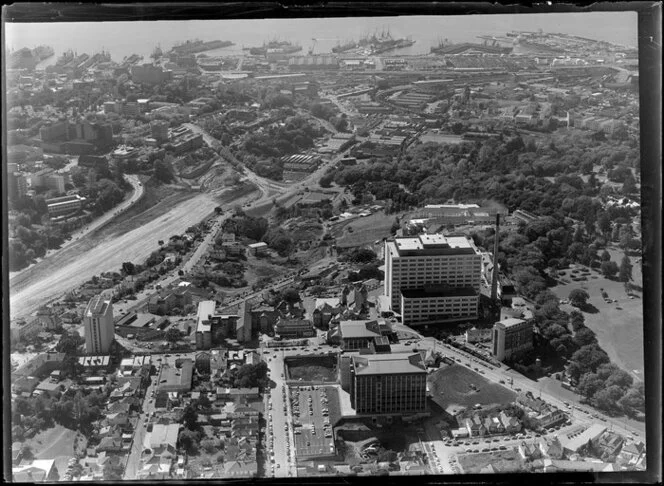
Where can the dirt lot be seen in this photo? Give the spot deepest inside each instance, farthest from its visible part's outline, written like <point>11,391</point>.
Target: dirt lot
<point>618,325</point>
<point>450,388</point>
<point>312,368</point>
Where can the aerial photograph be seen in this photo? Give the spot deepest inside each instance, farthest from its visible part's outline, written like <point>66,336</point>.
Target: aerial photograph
<point>324,247</point>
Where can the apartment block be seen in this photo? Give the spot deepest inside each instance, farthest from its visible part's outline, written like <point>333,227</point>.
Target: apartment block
<point>98,325</point>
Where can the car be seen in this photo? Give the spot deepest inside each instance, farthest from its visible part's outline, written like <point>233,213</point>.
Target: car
<point>485,450</point>
<point>502,382</point>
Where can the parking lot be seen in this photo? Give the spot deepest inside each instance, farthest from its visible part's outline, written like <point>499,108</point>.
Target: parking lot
<point>312,428</point>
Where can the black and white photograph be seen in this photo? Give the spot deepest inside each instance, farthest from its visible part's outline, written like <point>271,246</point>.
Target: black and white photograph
<point>304,246</point>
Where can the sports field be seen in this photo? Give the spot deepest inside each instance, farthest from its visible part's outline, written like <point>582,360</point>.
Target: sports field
<point>452,388</point>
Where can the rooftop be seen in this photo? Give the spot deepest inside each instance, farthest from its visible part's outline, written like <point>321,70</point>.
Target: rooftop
<point>99,305</point>
<point>510,322</point>
<point>206,309</point>
<point>385,364</point>
<point>357,329</point>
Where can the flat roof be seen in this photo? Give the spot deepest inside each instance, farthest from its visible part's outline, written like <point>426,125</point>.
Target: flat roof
<point>511,322</point>
<point>162,435</point>
<point>99,304</point>
<point>387,364</point>
<point>356,329</point>
<point>206,309</point>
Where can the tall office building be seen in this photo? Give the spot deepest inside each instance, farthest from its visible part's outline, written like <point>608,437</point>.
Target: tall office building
<point>388,383</point>
<point>433,278</point>
<point>98,325</point>
<point>511,337</point>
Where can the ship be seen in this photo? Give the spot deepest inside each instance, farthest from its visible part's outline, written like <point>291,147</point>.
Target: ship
<point>157,53</point>
<point>377,44</point>
<point>192,47</point>
<point>347,46</point>
<point>275,47</point>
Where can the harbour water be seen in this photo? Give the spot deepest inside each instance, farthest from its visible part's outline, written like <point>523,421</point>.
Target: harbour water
<point>124,38</point>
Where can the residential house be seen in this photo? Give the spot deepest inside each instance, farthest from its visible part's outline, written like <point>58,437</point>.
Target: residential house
<point>325,310</point>
<point>607,446</point>
<point>475,427</point>
<point>550,448</point>
<point>511,424</point>
<point>529,452</point>
<point>159,452</point>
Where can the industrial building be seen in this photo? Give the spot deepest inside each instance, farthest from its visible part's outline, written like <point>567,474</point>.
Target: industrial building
<point>510,337</point>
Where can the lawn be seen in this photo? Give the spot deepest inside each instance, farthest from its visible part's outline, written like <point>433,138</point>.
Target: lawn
<point>450,389</point>
<point>619,325</point>
<point>312,368</point>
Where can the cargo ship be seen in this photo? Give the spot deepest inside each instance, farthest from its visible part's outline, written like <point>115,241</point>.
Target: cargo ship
<point>375,44</point>
<point>275,47</point>
<point>192,47</point>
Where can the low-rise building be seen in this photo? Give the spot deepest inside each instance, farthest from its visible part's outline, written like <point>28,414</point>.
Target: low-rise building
<point>290,328</point>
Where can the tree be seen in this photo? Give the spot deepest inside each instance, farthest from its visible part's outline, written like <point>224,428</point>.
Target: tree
<point>609,269</point>
<point>291,296</point>
<point>589,384</point>
<point>605,256</point>
<point>625,272</point>
<point>584,336</point>
<point>173,334</point>
<point>129,268</point>
<point>190,417</point>
<point>578,297</point>
<point>163,171</point>
<point>608,398</point>
<point>189,440</point>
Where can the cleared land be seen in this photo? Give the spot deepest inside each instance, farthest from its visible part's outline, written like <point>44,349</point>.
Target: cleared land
<point>618,325</point>
<point>501,462</point>
<point>451,388</point>
<point>55,442</point>
<point>312,368</point>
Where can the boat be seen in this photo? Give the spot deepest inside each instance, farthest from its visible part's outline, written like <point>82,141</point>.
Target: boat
<point>275,47</point>
<point>192,47</point>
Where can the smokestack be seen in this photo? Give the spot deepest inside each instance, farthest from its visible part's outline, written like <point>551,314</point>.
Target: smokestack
<point>494,275</point>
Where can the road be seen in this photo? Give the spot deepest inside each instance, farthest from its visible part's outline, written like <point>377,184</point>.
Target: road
<point>280,437</point>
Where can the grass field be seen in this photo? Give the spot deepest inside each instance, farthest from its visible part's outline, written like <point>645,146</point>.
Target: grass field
<point>618,325</point>
<point>365,230</point>
<point>450,389</point>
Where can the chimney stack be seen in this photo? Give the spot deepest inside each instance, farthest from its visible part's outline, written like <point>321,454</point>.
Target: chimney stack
<point>494,274</point>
